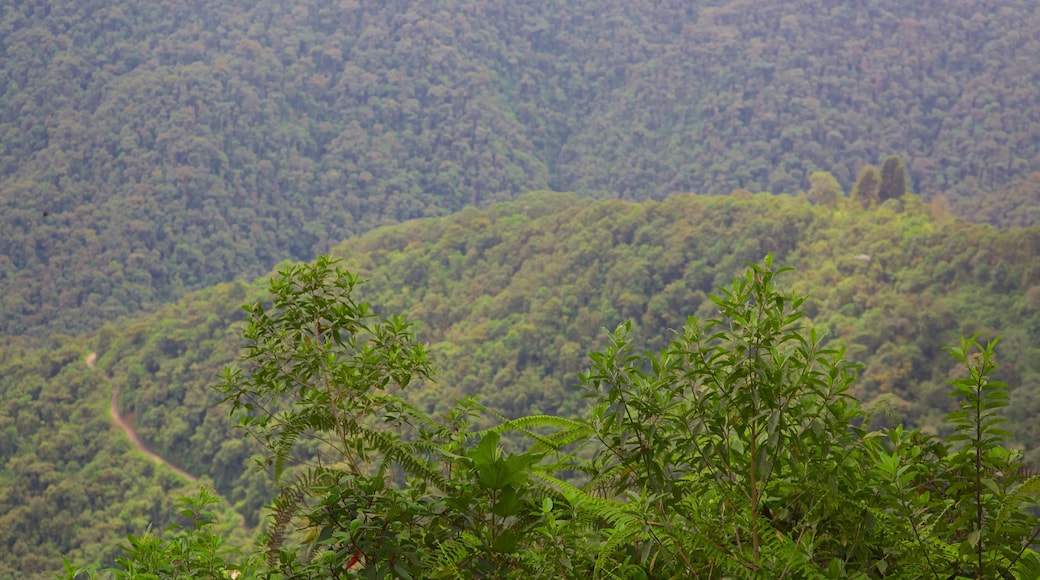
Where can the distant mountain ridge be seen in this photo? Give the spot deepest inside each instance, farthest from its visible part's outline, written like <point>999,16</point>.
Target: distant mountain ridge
<point>150,149</point>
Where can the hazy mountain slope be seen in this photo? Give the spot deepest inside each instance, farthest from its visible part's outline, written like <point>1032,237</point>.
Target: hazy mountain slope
<point>1016,205</point>
<point>511,299</point>
<point>520,300</point>
<point>148,149</point>
<point>758,94</point>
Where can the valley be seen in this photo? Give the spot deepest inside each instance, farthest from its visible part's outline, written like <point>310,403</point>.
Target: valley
<point>518,180</point>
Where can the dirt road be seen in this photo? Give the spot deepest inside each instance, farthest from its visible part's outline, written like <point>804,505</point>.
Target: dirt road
<point>113,410</point>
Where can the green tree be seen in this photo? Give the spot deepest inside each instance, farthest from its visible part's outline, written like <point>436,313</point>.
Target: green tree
<point>741,430</point>
<point>961,500</point>
<point>373,482</point>
<point>868,183</point>
<point>824,189</point>
<point>893,179</point>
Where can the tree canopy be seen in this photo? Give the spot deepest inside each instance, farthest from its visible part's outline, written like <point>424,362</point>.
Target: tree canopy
<point>149,151</point>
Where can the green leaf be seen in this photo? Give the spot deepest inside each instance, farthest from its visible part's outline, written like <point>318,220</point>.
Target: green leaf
<point>506,542</point>
<point>494,476</point>
<point>508,503</point>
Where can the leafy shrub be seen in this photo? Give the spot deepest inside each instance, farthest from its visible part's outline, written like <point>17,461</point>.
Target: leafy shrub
<point>735,452</point>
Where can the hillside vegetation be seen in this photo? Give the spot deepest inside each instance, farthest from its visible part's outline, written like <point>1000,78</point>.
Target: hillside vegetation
<point>511,299</point>
<point>71,484</point>
<point>149,149</point>
<point>737,452</point>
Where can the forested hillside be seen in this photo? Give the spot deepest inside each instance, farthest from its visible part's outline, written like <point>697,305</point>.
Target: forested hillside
<point>511,299</point>
<point>147,149</point>
<point>70,483</point>
<point>737,452</point>
<point>153,153</point>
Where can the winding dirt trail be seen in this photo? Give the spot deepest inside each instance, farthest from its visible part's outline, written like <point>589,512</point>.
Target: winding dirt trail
<point>113,410</point>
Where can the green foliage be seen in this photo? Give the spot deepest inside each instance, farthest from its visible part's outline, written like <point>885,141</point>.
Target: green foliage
<point>865,192</point>
<point>182,552</point>
<point>893,179</point>
<point>824,189</point>
<point>319,367</point>
<point>325,378</point>
<point>738,451</point>
<point>145,153</point>
<point>510,300</point>
<point>192,551</point>
<point>964,498</point>
<point>738,434</point>
<point>380,486</point>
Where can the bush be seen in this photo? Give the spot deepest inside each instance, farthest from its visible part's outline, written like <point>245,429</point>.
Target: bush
<point>735,452</point>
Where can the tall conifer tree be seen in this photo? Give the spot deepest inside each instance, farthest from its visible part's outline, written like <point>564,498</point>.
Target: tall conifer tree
<point>893,179</point>
<point>867,186</point>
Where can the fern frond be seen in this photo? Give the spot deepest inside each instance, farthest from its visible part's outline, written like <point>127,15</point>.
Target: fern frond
<point>568,431</point>
<point>1027,490</point>
<point>603,512</point>
<point>395,451</point>
<point>557,441</point>
<point>285,507</point>
<point>606,479</point>
<point>293,426</point>
<point>445,561</point>
<point>787,554</point>
<point>908,544</point>
<point>562,489</point>
<point>534,421</point>
<point>408,457</point>
<point>620,536</point>
<point>403,409</point>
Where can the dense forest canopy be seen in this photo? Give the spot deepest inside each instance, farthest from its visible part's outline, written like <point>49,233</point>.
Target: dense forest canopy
<point>510,299</point>
<point>151,148</point>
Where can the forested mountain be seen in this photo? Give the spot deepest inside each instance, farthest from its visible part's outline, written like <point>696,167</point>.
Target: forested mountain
<point>511,299</point>
<point>151,148</point>
<point>148,150</point>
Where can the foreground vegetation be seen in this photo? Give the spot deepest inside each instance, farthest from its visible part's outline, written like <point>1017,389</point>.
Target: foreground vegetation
<point>737,451</point>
